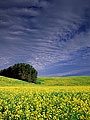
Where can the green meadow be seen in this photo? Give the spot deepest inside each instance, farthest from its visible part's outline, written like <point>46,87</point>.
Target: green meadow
<point>49,81</point>
<point>64,81</point>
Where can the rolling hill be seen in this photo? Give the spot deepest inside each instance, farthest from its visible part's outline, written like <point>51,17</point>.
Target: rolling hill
<point>48,81</point>
<point>65,81</point>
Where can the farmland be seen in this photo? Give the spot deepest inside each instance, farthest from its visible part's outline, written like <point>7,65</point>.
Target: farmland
<point>50,99</point>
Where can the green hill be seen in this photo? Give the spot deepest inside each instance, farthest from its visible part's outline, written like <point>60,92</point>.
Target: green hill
<point>48,81</point>
<point>64,81</point>
<point>5,81</point>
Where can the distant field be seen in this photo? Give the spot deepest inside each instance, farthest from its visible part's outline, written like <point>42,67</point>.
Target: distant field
<point>55,98</point>
<point>64,81</point>
<point>48,81</point>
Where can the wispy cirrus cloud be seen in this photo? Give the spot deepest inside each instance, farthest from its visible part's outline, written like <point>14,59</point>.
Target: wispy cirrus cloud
<point>45,32</point>
<point>73,72</point>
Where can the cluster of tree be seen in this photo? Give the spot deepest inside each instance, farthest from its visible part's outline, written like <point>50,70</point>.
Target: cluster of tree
<point>21,71</point>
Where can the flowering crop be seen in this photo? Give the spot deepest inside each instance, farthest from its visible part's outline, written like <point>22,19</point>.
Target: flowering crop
<point>45,103</point>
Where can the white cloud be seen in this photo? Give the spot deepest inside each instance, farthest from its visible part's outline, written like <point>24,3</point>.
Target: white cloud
<point>4,61</point>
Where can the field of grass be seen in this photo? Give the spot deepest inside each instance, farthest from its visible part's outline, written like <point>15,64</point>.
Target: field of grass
<point>5,81</point>
<point>64,81</point>
<point>49,81</point>
<point>51,99</point>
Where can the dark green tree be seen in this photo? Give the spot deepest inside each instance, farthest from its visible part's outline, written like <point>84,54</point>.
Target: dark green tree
<point>21,71</point>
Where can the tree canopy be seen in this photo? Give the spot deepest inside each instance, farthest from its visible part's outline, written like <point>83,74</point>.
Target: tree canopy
<point>21,71</point>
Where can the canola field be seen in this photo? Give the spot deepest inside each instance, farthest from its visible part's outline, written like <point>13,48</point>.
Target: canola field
<point>37,102</point>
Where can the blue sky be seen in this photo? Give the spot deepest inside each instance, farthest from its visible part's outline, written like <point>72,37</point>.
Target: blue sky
<point>51,35</point>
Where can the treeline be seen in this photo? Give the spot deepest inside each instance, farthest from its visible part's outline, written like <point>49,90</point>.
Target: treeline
<point>21,71</point>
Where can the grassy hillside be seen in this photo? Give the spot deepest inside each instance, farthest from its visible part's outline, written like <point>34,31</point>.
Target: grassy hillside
<point>64,81</point>
<point>48,81</point>
<point>5,81</point>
